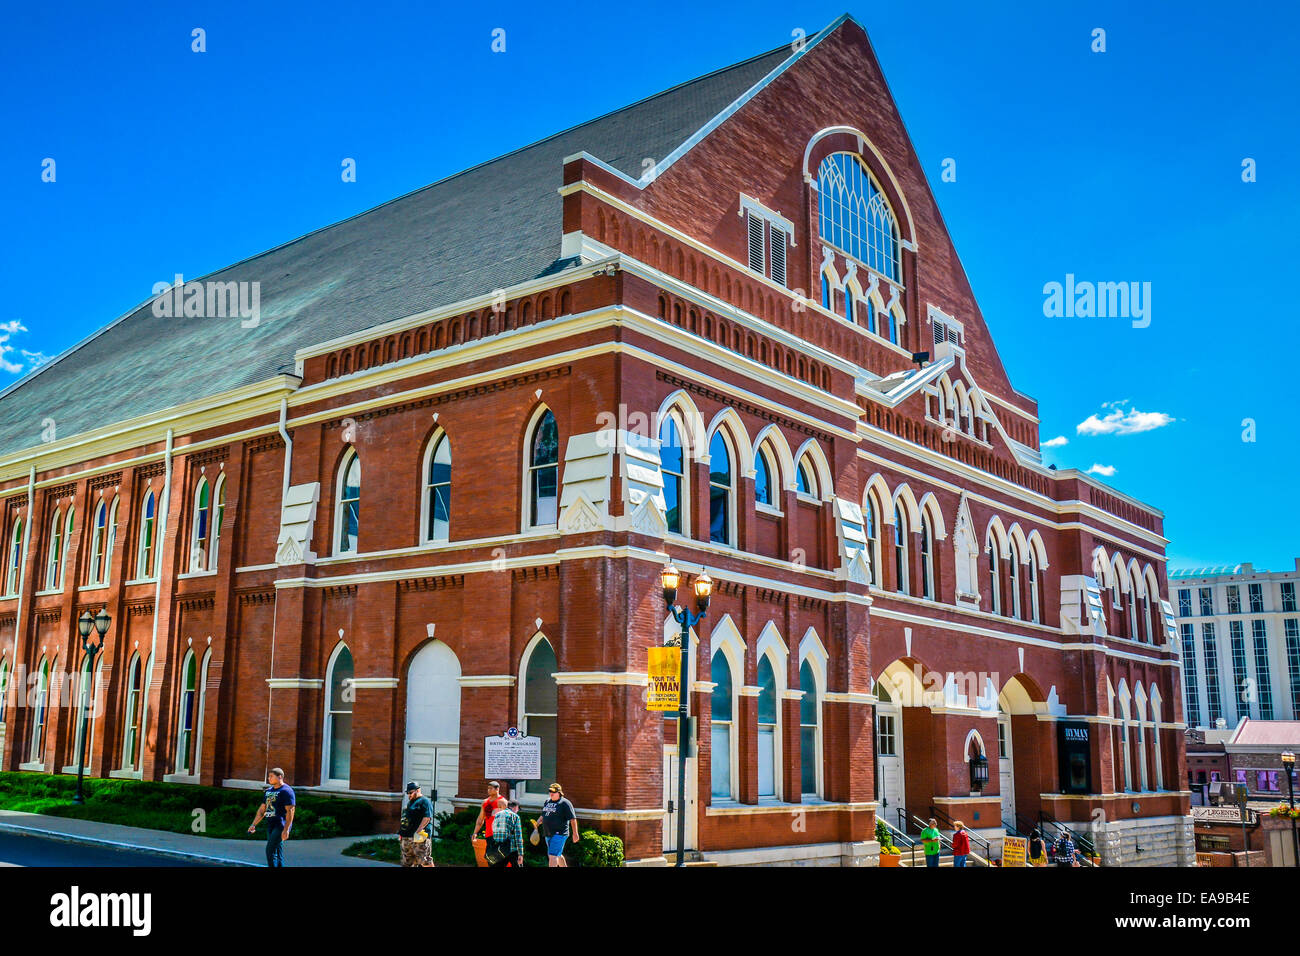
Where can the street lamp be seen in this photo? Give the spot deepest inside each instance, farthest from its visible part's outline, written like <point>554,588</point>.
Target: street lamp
<point>670,578</point>
<point>1288,763</point>
<point>85,624</point>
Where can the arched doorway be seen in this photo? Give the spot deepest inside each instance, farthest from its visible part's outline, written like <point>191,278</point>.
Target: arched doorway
<point>433,722</point>
<point>1020,751</point>
<point>889,753</point>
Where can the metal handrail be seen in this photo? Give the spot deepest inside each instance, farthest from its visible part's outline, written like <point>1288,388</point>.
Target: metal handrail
<point>905,817</point>
<point>897,835</point>
<point>1082,843</point>
<point>951,824</point>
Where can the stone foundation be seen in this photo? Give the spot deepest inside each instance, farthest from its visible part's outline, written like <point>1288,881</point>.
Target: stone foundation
<point>1152,841</point>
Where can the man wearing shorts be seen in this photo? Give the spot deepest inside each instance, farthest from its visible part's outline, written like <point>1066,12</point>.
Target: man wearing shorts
<point>491,805</point>
<point>416,828</point>
<point>559,824</point>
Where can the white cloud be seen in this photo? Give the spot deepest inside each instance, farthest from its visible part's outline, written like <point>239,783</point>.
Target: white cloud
<point>1056,442</point>
<point>1121,420</point>
<point>1104,470</point>
<point>7,364</point>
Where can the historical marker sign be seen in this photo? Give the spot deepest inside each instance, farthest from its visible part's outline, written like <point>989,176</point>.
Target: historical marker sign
<point>512,756</point>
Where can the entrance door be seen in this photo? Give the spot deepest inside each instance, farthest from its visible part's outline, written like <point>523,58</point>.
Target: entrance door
<point>670,800</point>
<point>889,761</point>
<point>1006,774</point>
<point>433,723</point>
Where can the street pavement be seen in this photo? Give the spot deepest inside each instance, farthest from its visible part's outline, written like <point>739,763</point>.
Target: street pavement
<point>177,849</point>
<point>22,849</point>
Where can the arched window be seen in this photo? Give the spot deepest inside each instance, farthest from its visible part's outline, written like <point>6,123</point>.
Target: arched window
<point>96,708</point>
<point>1013,577</point>
<point>437,491</point>
<point>544,472</point>
<point>98,544</point>
<point>889,326</point>
<point>1133,634</point>
<point>871,517</point>
<point>721,721</point>
<point>927,559</point>
<point>995,578</point>
<point>218,519</point>
<point>767,728</point>
<point>540,707</point>
<point>809,730</point>
<point>804,481</point>
<point>1146,615</point>
<point>338,718</point>
<point>871,315</point>
<point>84,691</point>
<point>826,292</point>
<point>720,489</point>
<point>146,553</point>
<point>131,739</point>
<point>672,463</point>
<point>188,715</point>
<point>900,553</point>
<point>1035,610</point>
<point>15,558</point>
<point>40,712</point>
<point>54,556</point>
<point>854,215</point>
<point>200,530</point>
<point>348,514</point>
<point>4,689</point>
<point>848,305</point>
<point>764,489</point>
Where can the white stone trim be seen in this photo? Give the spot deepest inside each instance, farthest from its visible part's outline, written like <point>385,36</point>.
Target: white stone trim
<point>294,683</point>
<point>623,678</point>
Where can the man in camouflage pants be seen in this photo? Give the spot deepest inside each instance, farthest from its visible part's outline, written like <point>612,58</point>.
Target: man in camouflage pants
<point>416,828</point>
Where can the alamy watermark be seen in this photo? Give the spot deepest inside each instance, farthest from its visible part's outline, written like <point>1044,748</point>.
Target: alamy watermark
<point>1103,300</point>
<point>209,300</point>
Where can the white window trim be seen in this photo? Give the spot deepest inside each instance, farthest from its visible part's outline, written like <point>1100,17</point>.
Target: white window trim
<point>431,446</point>
<point>526,504</point>
<point>326,742</point>
<point>524,795</point>
<point>344,465</point>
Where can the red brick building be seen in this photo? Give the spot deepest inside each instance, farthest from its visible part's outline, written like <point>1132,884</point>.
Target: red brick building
<point>426,493</point>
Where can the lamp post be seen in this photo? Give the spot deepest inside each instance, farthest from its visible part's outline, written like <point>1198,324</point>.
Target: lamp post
<point>1288,764</point>
<point>670,577</point>
<point>85,624</point>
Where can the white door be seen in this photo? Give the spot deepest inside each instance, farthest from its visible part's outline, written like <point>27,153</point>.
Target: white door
<point>670,800</point>
<point>433,722</point>
<point>1006,775</point>
<point>889,762</point>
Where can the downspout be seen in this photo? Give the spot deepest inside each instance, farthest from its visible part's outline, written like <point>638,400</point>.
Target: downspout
<point>284,494</point>
<point>22,587</point>
<point>163,511</point>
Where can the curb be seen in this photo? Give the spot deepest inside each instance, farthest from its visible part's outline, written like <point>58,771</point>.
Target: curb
<point>117,844</point>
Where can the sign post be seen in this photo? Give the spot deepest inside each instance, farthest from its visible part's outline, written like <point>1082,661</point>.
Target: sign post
<point>1014,851</point>
<point>512,757</point>
<point>664,666</point>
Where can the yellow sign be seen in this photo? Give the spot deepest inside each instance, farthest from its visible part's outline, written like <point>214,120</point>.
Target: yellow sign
<point>664,667</point>
<point>1014,851</point>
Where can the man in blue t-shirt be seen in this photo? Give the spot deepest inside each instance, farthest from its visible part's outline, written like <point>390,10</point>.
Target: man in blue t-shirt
<point>278,804</point>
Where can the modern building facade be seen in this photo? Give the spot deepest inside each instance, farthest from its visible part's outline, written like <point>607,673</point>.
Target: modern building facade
<point>426,497</point>
<point>1239,633</point>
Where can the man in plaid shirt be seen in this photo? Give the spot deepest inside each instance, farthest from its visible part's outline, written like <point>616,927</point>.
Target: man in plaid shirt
<point>508,834</point>
<point>1063,851</point>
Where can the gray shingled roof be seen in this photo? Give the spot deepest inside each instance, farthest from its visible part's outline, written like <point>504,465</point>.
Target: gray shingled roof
<point>488,227</point>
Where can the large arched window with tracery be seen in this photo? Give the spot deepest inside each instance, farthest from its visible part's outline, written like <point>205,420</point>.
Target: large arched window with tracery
<point>855,216</point>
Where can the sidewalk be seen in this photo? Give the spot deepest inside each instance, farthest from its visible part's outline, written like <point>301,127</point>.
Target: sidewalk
<point>249,852</point>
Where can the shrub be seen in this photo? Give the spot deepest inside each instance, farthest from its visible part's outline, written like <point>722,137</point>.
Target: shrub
<point>599,849</point>
<point>883,836</point>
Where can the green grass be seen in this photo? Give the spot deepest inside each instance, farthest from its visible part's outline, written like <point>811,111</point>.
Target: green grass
<point>176,807</point>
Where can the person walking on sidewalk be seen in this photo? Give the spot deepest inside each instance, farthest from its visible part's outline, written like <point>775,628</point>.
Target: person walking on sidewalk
<point>931,841</point>
<point>491,805</point>
<point>960,844</point>
<point>559,823</point>
<point>506,848</point>
<point>278,804</point>
<point>415,831</point>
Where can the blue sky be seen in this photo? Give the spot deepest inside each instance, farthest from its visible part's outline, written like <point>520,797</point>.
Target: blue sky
<point>1117,166</point>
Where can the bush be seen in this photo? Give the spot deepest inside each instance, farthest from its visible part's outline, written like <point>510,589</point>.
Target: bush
<point>883,836</point>
<point>599,849</point>
<point>173,806</point>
